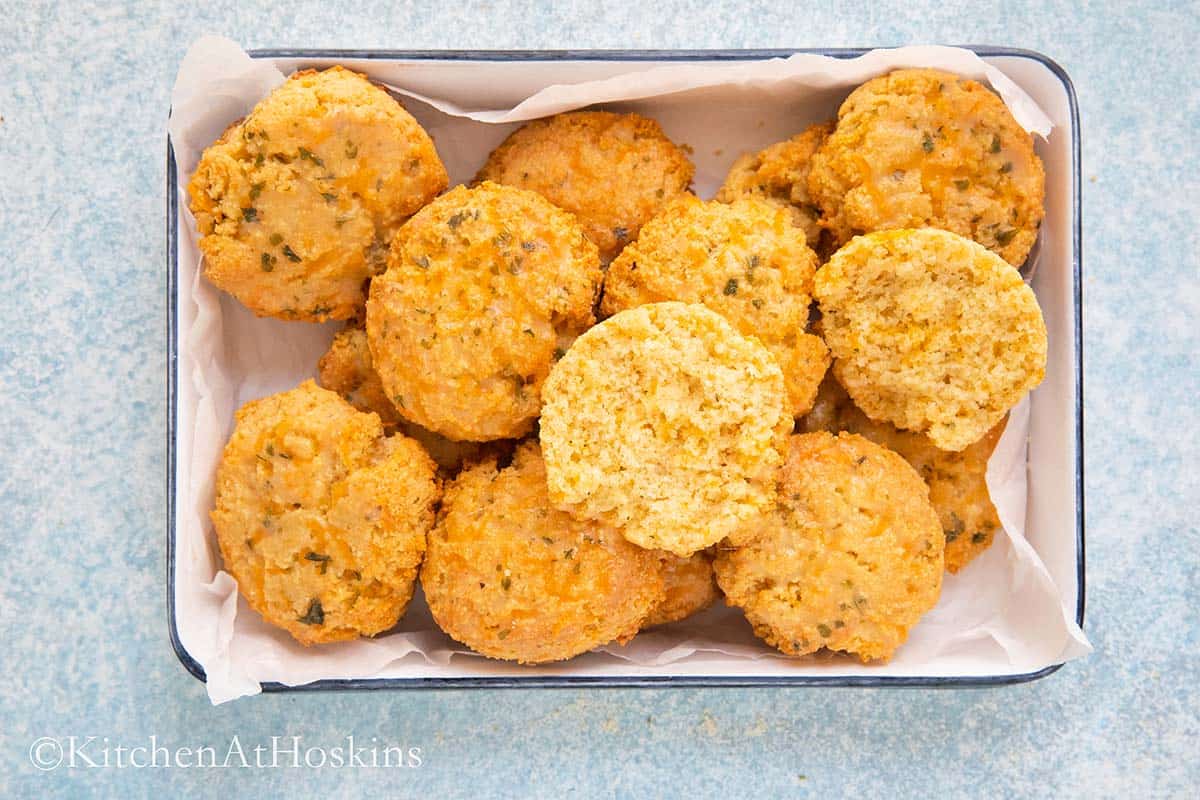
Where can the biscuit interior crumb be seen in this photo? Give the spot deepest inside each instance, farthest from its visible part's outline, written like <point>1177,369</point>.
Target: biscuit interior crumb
<point>665,422</point>
<point>931,332</point>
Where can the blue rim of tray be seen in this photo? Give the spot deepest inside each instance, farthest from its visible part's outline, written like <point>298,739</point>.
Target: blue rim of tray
<point>630,681</point>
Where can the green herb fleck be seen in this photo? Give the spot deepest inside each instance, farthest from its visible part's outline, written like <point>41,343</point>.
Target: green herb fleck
<point>250,214</point>
<point>824,630</point>
<point>320,558</point>
<point>259,159</point>
<point>927,143</point>
<point>757,302</point>
<point>330,197</point>
<point>256,190</point>
<point>547,540</point>
<point>569,553</point>
<point>961,184</point>
<point>1007,168</point>
<point>306,153</point>
<point>456,220</point>
<point>290,253</point>
<point>731,286</point>
<point>276,238</point>
<point>268,262</point>
<point>506,583</point>
<point>978,537</point>
<point>1005,236</point>
<point>621,232</point>
<point>529,247</point>
<point>422,262</point>
<point>351,149</point>
<point>528,332</point>
<point>315,614</point>
<point>995,143</point>
<point>502,634</point>
<point>559,353</point>
<point>955,529</point>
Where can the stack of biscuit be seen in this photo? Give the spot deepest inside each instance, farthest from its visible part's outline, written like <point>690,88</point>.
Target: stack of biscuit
<point>574,401</point>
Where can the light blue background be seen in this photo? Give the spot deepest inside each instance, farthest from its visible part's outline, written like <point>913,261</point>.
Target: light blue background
<point>83,643</point>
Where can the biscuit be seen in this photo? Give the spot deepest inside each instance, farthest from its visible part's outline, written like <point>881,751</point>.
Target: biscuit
<point>850,557</point>
<point>322,520</point>
<point>486,287</point>
<point>612,171</point>
<point>512,578</point>
<point>957,481</point>
<point>664,422</point>
<point>931,332</point>
<point>744,260</point>
<point>296,204</point>
<point>920,147</point>
<point>689,587</point>
<point>778,174</point>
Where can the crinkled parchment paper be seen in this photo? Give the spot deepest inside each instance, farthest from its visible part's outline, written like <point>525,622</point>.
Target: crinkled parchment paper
<point>1002,614</point>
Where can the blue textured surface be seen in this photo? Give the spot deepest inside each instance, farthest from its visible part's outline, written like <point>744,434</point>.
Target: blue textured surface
<point>82,428</point>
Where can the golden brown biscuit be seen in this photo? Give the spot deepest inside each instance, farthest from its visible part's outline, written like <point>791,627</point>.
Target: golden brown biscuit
<point>744,260</point>
<point>512,578</point>
<point>320,518</point>
<point>849,559</point>
<point>957,481</point>
<point>920,147</point>
<point>666,423</point>
<point>612,171</point>
<point>689,587</point>
<point>346,369</point>
<point>931,332</point>
<point>779,175</point>
<point>485,289</point>
<point>296,204</point>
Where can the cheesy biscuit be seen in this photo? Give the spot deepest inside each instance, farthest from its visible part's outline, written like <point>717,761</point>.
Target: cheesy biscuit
<point>296,204</point>
<point>513,578</point>
<point>664,422</point>
<point>689,587</point>
<point>612,171</point>
<point>931,332</point>
<point>778,174</point>
<point>924,148</point>
<point>744,260</point>
<point>850,557</point>
<point>485,289</point>
<point>321,519</point>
